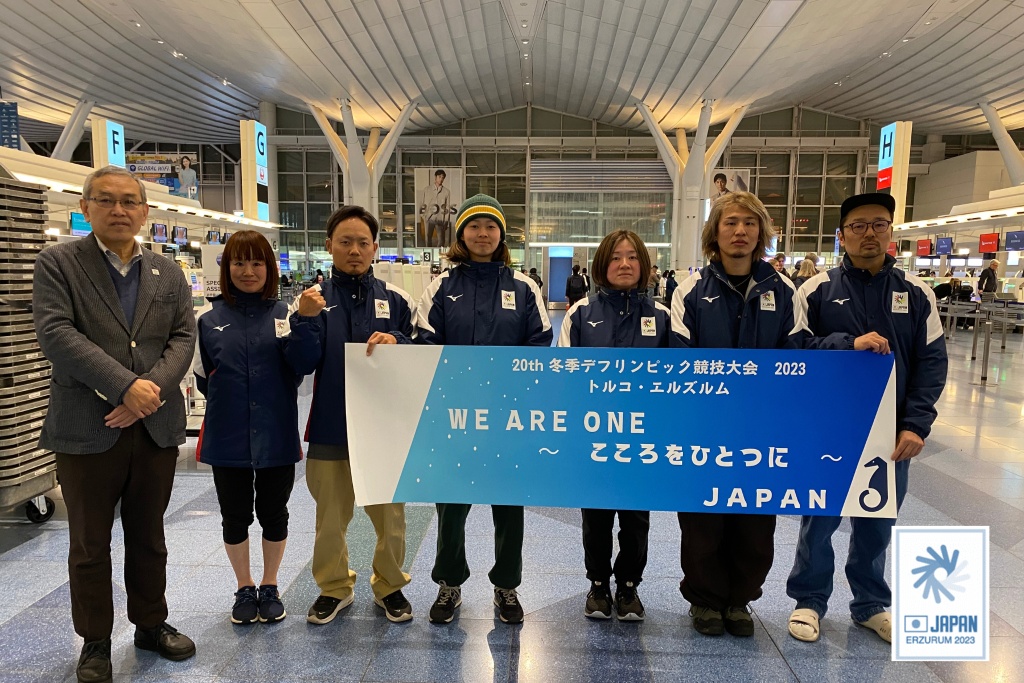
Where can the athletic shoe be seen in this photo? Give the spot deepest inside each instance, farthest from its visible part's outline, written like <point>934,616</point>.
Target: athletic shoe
<point>395,606</point>
<point>448,599</point>
<point>707,621</point>
<point>507,602</point>
<point>627,603</point>
<point>247,606</point>
<point>738,621</point>
<point>599,601</point>
<point>271,608</point>
<point>326,608</point>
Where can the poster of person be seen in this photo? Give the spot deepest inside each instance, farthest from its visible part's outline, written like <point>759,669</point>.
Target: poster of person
<point>722,181</point>
<point>438,195</point>
<point>178,172</point>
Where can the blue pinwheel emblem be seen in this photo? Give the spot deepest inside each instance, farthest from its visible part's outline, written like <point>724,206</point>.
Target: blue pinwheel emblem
<point>941,574</point>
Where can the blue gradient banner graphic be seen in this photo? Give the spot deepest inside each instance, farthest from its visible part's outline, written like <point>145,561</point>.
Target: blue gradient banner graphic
<point>722,430</point>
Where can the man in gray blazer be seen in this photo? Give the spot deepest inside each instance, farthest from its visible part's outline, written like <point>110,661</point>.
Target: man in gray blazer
<point>116,322</point>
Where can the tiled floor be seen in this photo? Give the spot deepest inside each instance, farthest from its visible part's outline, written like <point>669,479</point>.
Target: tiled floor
<point>971,472</point>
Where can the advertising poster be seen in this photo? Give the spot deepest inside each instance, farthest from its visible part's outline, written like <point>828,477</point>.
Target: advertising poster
<point>179,172</point>
<point>626,429</point>
<point>722,181</point>
<point>211,254</point>
<point>438,195</point>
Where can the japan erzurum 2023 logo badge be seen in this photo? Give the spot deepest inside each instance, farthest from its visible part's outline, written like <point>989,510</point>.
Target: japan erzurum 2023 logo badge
<point>940,593</point>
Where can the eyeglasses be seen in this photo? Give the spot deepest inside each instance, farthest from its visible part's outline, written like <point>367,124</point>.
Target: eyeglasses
<point>108,203</point>
<point>859,228</point>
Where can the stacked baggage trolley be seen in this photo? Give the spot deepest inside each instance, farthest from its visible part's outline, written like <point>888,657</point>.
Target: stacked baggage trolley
<point>26,471</point>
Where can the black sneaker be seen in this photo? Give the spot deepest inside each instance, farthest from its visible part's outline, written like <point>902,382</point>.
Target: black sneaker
<point>271,608</point>
<point>247,606</point>
<point>599,601</point>
<point>507,602</point>
<point>448,599</point>
<point>627,603</point>
<point>707,621</point>
<point>326,608</point>
<point>738,621</point>
<point>396,607</point>
<point>94,664</point>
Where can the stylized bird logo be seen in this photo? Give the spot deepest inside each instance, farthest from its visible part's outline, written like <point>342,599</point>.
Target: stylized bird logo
<point>455,297</point>
<point>594,323</point>
<point>327,308</point>
<point>221,328</point>
<point>711,299</point>
<point>839,301</point>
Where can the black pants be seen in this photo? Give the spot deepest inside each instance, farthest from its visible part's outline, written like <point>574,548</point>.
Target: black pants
<point>725,558</point>
<point>241,489</point>
<point>598,526</point>
<point>450,564</point>
<point>139,474</point>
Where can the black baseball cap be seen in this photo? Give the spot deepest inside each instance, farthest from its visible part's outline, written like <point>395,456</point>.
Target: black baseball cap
<point>867,199</point>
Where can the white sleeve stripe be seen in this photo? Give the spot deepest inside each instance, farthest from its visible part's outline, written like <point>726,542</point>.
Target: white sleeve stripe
<point>800,320</point>
<point>427,302</point>
<point>934,322</point>
<point>679,304</point>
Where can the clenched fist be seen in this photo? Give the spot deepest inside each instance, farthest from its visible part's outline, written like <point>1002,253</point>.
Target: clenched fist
<point>311,303</point>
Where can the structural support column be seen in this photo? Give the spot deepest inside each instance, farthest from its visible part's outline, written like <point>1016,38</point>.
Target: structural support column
<point>25,147</point>
<point>268,117</point>
<point>1012,157</point>
<point>73,131</point>
<point>688,170</point>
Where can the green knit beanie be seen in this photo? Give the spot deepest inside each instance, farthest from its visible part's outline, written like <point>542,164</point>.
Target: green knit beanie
<point>479,206</point>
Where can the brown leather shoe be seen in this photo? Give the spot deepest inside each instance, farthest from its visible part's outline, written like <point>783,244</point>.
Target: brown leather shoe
<point>94,664</point>
<point>165,641</point>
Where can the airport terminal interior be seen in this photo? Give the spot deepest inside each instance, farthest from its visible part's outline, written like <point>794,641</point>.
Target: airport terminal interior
<point>580,117</point>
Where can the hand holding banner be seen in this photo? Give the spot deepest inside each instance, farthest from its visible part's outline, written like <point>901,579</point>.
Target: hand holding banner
<point>696,430</point>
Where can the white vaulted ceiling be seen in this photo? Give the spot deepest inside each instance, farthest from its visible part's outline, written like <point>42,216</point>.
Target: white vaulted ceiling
<point>928,61</point>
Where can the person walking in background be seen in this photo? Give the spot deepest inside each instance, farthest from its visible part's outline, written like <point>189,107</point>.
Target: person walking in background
<point>631,320</point>
<point>988,281</point>
<point>670,287</point>
<point>575,286</point>
<point>249,435</point>
<point>480,301</point>
<point>804,273</point>
<point>654,282</point>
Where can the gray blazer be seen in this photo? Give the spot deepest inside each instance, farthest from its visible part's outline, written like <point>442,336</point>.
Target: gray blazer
<point>83,332</point>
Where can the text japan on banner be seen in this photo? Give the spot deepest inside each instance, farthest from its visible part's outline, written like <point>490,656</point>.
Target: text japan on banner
<point>697,430</point>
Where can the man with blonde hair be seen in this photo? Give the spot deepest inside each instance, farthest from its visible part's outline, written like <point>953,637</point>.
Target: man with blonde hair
<point>737,301</point>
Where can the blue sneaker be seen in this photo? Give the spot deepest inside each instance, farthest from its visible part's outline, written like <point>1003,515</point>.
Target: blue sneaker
<point>271,608</point>
<point>246,609</point>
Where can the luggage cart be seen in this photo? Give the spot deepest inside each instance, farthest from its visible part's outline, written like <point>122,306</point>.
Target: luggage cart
<point>27,472</point>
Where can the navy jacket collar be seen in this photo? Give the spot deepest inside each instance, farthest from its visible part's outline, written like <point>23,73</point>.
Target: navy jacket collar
<point>482,271</point>
<point>360,284</point>
<point>860,273</point>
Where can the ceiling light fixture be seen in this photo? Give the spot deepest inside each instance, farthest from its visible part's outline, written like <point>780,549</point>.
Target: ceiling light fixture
<point>526,42</point>
<point>137,24</point>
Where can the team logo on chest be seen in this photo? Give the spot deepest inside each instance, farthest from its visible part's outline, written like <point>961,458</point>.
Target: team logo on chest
<point>508,300</point>
<point>768,301</point>
<point>281,327</point>
<point>648,328</point>
<point>900,302</point>
<point>382,308</point>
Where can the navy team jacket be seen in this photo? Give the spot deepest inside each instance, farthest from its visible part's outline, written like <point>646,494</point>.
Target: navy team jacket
<point>356,308</point>
<point>708,312</point>
<point>617,319</point>
<point>242,368</point>
<point>835,307</point>
<point>483,304</point>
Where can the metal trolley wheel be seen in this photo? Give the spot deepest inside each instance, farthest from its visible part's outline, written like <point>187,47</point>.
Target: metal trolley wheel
<point>39,509</point>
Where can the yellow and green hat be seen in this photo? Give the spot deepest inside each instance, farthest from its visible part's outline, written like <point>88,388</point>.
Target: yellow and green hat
<point>480,206</point>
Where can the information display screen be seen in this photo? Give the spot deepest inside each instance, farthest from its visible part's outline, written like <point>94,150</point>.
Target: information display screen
<point>79,226</point>
<point>944,246</point>
<point>159,233</point>
<point>180,235</point>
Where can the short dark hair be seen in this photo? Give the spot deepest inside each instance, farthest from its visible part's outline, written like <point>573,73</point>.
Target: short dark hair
<point>533,271</point>
<point>440,172</point>
<point>248,245</point>
<point>603,257</point>
<point>720,175</point>
<point>576,269</point>
<point>343,213</point>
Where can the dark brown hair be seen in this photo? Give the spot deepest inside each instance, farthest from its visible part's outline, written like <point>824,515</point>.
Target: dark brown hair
<point>346,211</point>
<point>248,245</point>
<point>459,253</point>
<point>603,257</point>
